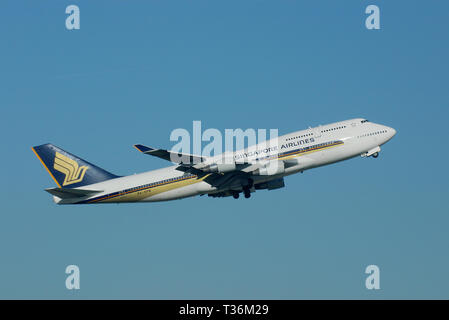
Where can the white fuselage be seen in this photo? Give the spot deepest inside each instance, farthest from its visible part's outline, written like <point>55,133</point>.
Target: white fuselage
<point>300,150</point>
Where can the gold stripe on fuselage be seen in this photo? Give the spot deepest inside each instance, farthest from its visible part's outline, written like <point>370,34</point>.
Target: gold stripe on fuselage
<point>142,193</point>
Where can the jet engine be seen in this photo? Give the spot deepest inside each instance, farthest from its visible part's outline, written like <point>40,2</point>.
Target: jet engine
<point>271,185</point>
<point>220,167</point>
<point>271,168</point>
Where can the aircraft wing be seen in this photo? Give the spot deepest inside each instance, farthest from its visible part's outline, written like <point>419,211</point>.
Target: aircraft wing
<point>174,157</point>
<point>216,169</point>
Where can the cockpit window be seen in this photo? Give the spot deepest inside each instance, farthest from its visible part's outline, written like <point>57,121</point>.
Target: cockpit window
<point>363,121</point>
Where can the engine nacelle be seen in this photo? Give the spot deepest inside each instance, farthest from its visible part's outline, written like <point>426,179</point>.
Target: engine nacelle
<point>220,167</point>
<point>271,185</point>
<point>271,168</point>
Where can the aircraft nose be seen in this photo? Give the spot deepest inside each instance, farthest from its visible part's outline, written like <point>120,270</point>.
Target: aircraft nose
<point>391,132</point>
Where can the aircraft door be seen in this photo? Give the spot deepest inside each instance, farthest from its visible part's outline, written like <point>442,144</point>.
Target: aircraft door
<point>317,132</point>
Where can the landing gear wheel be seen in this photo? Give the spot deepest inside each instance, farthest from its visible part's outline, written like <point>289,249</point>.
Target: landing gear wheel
<point>375,155</point>
<point>247,193</point>
<point>236,195</point>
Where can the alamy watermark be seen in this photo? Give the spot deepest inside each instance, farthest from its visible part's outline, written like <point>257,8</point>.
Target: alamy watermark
<point>73,279</point>
<point>252,143</point>
<point>373,280</point>
<point>73,22</point>
<point>373,20</point>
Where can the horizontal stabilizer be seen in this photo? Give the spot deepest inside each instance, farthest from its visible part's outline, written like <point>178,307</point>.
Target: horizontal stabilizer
<point>65,193</point>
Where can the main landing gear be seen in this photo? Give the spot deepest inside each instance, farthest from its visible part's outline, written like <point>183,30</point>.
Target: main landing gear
<point>375,155</point>
<point>246,192</point>
<point>245,188</point>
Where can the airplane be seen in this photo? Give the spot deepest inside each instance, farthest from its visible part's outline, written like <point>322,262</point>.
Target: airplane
<point>261,166</point>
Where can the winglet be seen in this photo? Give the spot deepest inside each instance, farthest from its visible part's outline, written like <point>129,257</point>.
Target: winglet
<point>142,148</point>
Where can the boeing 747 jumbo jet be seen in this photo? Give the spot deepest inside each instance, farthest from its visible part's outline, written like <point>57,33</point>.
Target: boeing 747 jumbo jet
<point>255,168</point>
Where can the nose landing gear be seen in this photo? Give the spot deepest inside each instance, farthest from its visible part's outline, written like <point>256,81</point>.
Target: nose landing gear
<point>374,152</point>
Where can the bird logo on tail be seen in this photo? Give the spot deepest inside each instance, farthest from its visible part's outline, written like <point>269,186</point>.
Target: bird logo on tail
<point>70,168</point>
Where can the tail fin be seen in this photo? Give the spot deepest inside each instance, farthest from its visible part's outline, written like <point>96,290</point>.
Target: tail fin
<point>68,170</point>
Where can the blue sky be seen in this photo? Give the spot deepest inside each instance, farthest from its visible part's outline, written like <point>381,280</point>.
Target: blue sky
<point>136,70</point>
